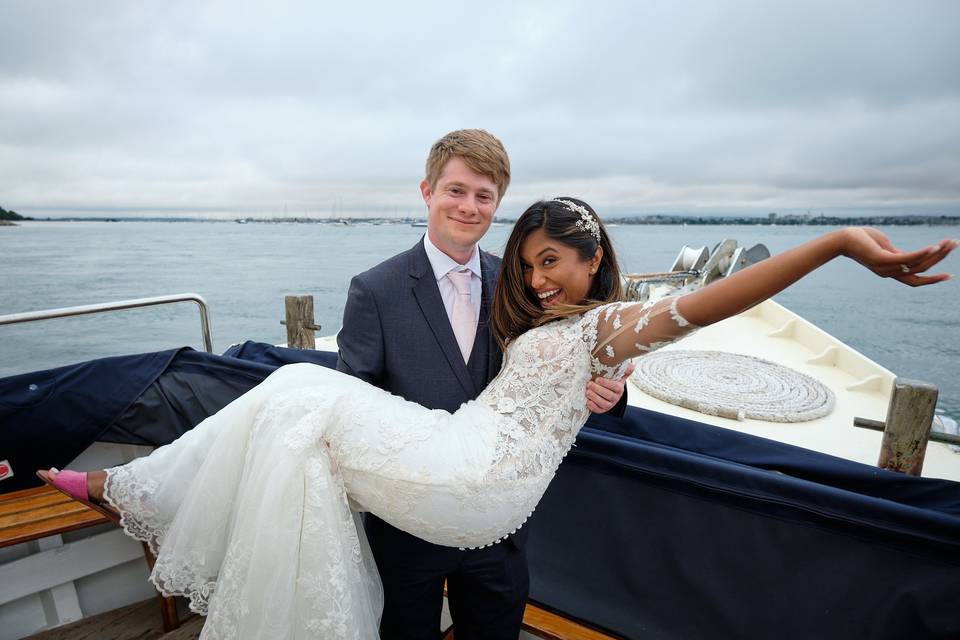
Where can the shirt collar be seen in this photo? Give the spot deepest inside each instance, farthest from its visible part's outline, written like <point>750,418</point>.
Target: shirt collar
<point>442,264</point>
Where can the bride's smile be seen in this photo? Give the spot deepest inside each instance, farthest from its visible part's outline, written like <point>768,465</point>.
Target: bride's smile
<point>554,271</point>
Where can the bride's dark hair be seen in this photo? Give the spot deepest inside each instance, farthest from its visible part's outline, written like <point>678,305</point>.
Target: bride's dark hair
<point>515,307</point>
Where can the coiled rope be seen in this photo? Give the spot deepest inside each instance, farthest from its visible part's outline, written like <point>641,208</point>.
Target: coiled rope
<point>732,386</point>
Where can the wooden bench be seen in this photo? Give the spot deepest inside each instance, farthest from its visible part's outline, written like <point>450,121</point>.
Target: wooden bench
<point>34,514</point>
<point>37,513</point>
<point>548,625</point>
<point>554,626</point>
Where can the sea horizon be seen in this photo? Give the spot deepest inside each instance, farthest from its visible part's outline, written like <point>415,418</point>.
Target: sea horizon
<point>638,219</point>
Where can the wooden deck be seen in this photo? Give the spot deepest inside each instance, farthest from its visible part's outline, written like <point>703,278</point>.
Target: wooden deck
<point>139,621</point>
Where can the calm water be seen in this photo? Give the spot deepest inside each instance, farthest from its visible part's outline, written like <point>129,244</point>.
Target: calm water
<point>245,270</point>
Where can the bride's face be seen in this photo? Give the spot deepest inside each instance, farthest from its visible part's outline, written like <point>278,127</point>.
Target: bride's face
<point>556,272</point>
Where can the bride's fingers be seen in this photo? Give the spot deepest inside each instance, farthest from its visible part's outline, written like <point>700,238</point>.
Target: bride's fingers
<point>900,263</point>
<point>943,250</point>
<point>597,392</point>
<point>906,266</point>
<point>602,394</point>
<point>931,260</point>
<point>897,270</point>
<point>920,281</point>
<point>913,277</point>
<point>912,257</point>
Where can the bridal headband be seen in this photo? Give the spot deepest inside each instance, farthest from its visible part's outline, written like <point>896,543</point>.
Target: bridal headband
<point>586,222</point>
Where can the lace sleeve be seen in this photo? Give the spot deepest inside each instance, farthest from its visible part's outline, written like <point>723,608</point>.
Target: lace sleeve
<point>623,330</point>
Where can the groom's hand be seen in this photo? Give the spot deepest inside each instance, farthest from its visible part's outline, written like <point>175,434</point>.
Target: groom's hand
<point>603,394</point>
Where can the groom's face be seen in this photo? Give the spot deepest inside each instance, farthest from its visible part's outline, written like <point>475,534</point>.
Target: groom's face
<point>461,206</point>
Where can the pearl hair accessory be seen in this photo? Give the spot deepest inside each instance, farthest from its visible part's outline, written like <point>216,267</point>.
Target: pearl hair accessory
<point>586,222</point>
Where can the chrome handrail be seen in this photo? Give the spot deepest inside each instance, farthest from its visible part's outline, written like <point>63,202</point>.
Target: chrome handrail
<point>48,314</point>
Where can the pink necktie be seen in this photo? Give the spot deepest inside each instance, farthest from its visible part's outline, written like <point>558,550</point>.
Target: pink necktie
<point>464,317</point>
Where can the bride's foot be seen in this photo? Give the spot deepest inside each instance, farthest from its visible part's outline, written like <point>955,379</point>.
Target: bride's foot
<point>95,482</point>
<point>83,487</point>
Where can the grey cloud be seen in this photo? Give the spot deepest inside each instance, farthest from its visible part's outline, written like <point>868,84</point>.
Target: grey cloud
<point>239,106</point>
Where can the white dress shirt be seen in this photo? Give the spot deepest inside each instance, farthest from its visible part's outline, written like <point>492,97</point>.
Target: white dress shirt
<point>442,264</point>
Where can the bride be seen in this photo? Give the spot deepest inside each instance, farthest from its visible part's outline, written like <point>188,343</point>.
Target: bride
<point>252,514</point>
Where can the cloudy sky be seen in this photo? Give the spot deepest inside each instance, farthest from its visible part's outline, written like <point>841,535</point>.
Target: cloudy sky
<point>317,108</point>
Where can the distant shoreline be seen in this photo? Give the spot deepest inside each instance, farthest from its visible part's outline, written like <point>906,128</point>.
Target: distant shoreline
<point>770,220</point>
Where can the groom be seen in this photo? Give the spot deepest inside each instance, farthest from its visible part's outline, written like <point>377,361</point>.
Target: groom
<point>417,326</point>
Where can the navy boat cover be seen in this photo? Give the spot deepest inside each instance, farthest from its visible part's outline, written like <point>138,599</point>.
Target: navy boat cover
<point>654,527</point>
<point>47,418</point>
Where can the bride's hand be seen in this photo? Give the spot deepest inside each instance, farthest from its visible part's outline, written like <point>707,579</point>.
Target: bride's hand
<point>603,394</point>
<point>873,249</point>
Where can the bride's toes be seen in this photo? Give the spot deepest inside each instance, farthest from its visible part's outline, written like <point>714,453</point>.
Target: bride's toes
<point>72,483</point>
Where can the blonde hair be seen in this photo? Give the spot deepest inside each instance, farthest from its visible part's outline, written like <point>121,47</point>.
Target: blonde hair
<point>481,151</point>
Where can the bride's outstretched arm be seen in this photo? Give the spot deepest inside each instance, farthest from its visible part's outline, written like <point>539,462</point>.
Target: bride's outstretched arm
<point>760,281</point>
<point>627,330</point>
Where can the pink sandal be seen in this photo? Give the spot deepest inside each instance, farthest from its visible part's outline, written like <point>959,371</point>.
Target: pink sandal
<point>74,484</point>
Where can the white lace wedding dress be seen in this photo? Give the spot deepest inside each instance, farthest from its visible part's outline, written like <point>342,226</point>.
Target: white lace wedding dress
<point>252,514</point>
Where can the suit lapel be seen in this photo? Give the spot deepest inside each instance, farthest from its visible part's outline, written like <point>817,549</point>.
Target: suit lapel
<point>427,293</point>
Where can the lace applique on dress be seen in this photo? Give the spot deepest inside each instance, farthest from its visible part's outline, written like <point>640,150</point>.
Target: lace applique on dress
<point>655,325</point>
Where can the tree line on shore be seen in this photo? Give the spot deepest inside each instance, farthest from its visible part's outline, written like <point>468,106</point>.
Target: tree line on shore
<point>774,219</point>
<point>10,216</point>
<point>769,219</point>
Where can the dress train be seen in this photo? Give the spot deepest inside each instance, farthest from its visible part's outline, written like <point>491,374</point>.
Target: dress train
<point>258,534</point>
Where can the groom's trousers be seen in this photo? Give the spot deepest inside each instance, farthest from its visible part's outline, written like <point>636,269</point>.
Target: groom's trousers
<point>487,588</point>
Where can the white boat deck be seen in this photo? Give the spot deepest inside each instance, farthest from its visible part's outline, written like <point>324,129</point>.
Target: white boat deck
<point>861,386</point>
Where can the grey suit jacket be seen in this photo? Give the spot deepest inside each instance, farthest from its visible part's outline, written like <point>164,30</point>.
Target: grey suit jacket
<point>396,334</point>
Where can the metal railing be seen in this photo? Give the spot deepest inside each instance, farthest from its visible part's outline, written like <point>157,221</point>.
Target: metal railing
<point>65,312</point>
